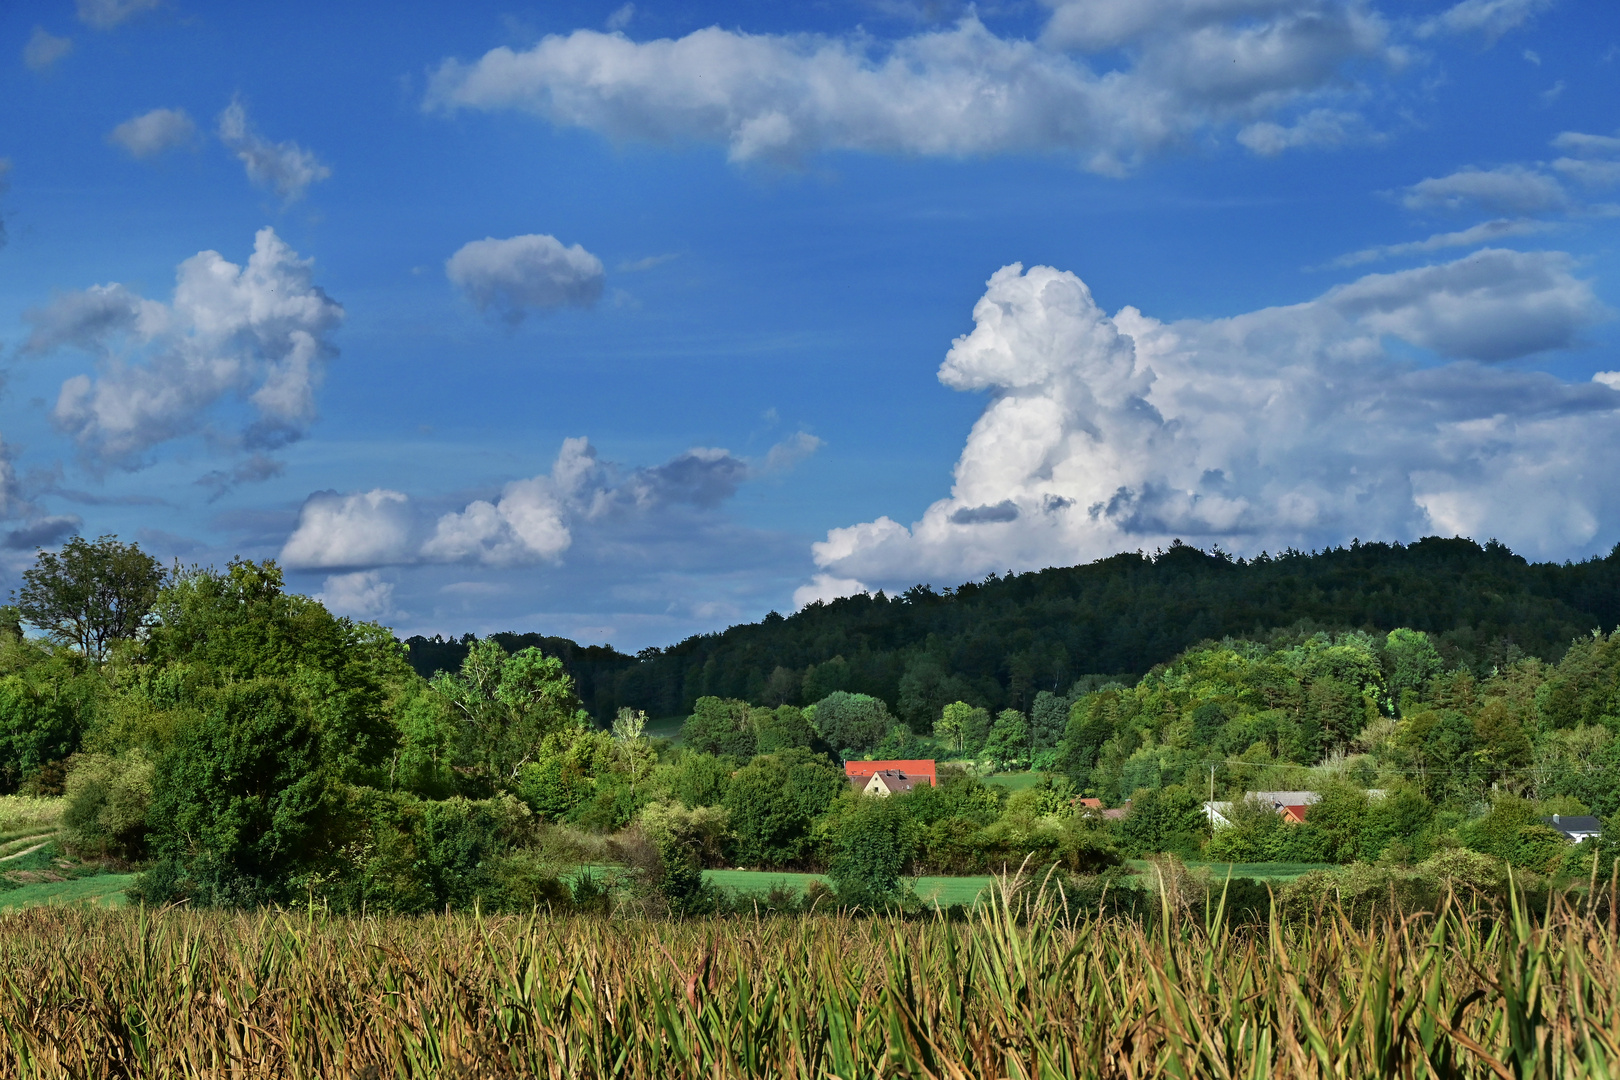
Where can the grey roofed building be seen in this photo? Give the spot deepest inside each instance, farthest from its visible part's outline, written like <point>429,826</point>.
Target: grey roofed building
<point>1576,827</point>
<point>1285,798</point>
<point>891,782</point>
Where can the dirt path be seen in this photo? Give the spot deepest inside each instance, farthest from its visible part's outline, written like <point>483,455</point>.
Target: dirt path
<point>25,851</point>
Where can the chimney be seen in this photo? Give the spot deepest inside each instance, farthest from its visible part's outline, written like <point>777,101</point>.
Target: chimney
<point>1557,819</point>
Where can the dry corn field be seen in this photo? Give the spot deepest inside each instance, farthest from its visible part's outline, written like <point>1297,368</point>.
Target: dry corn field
<point>101,994</point>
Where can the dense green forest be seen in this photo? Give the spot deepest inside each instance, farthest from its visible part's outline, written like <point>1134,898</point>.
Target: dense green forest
<point>239,745</point>
<point>998,642</point>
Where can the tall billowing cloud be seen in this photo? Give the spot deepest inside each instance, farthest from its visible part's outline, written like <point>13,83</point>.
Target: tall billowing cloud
<point>520,274</point>
<point>151,133</point>
<point>535,520</point>
<point>285,167</point>
<point>261,333</point>
<point>1287,426</point>
<point>1187,65</point>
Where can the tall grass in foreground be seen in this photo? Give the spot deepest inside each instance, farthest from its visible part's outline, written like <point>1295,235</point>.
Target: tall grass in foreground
<point>1453,994</point>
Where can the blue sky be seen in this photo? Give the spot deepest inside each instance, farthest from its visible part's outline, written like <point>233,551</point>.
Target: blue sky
<point>628,322</point>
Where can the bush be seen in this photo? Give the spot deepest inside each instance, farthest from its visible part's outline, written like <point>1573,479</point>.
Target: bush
<point>702,829</point>
<point>1170,820</point>
<point>700,779</point>
<point>1087,846</point>
<point>237,800</point>
<point>108,799</point>
<point>871,848</point>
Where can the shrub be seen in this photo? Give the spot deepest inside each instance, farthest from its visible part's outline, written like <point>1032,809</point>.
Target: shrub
<point>871,848</point>
<point>107,803</point>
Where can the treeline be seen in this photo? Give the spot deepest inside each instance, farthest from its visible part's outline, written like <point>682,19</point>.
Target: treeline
<point>1412,761</point>
<point>241,745</point>
<point>999,642</point>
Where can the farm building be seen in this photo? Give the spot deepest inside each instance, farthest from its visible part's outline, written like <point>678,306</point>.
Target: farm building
<point>890,777</point>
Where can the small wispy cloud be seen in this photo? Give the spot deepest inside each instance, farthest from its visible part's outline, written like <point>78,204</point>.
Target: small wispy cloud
<point>1484,233</point>
<point>44,49</point>
<point>647,263</point>
<point>151,133</point>
<point>285,167</point>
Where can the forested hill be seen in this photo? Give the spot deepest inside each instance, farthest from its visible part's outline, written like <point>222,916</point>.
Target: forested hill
<point>999,641</point>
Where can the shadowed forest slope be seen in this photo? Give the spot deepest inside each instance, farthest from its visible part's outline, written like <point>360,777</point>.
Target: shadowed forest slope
<point>999,641</point>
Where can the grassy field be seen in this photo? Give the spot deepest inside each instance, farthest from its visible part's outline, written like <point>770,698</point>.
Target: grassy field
<point>947,891</point>
<point>944,891</point>
<point>100,994</point>
<point>102,890</point>
<point>1014,781</point>
<point>665,727</point>
<point>1274,872</point>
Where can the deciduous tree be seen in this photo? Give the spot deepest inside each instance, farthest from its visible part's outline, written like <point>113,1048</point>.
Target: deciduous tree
<point>91,593</point>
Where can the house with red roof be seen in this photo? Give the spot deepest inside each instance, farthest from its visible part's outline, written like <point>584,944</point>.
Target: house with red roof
<point>890,777</point>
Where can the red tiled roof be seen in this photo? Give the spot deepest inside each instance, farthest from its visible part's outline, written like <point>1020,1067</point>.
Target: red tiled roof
<point>1091,804</point>
<point>1295,814</point>
<point>863,770</point>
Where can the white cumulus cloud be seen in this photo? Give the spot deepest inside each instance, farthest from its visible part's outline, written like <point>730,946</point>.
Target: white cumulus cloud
<point>538,519</point>
<point>360,595</point>
<point>520,274</point>
<point>1287,426</point>
<point>151,133</point>
<point>261,332</point>
<point>285,167</point>
<point>825,587</point>
<point>955,92</point>
<point>527,523</point>
<point>368,528</point>
<point>1491,305</point>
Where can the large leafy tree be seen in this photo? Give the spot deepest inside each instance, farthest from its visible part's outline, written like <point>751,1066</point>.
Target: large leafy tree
<point>720,726</point>
<point>774,799</point>
<point>263,712</point>
<point>507,705</point>
<point>852,723</point>
<point>91,593</point>
<point>1008,744</point>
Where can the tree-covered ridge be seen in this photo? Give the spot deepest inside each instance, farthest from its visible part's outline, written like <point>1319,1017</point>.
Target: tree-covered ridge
<point>998,642</point>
